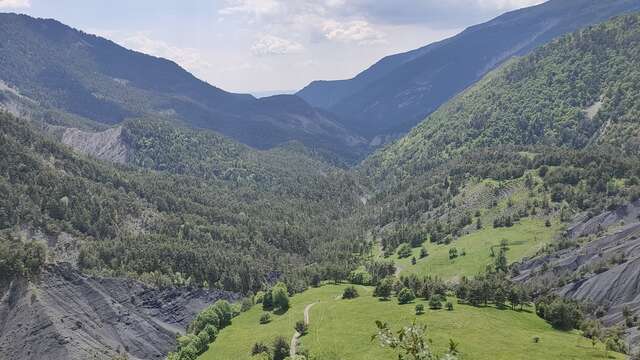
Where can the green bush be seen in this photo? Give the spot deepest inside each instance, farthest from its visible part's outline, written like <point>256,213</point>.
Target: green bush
<point>406,296</point>
<point>265,318</point>
<point>301,327</point>
<point>435,302</point>
<point>280,296</point>
<point>350,292</point>
<point>404,251</point>
<point>360,277</point>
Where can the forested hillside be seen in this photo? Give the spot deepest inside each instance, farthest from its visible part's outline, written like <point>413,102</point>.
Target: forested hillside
<point>60,75</point>
<point>570,107</point>
<point>231,229</point>
<point>398,92</point>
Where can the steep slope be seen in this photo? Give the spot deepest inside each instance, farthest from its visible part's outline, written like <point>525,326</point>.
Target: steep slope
<point>399,91</point>
<point>56,68</point>
<point>546,98</point>
<point>599,265</point>
<point>208,209</point>
<point>562,121</point>
<point>66,315</point>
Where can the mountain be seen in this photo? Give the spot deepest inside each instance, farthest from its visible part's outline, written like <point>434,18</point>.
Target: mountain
<point>54,73</point>
<point>552,137</point>
<point>399,91</point>
<point>113,258</point>
<point>578,92</point>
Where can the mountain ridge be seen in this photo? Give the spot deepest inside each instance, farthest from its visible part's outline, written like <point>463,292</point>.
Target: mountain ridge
<point>81,75</point>
<point>399,96</point>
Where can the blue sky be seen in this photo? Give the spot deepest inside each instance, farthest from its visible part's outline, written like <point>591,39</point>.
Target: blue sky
<point>260,45</point>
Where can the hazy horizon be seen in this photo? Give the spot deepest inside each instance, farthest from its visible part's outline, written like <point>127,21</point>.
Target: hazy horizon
<point>264,46</point>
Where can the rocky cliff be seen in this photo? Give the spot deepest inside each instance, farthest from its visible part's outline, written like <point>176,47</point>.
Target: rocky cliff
<point>67,315</point>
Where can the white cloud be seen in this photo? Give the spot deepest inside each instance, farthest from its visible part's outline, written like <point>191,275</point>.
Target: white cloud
<point>189,58</point>
<point>254,8</point>
<point>508,4</point>
<point>274,45</point>
<point>357,31</point>
<point>14,4</point>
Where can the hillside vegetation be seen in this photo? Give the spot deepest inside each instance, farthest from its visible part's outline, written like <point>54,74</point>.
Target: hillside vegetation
<point>232,230</point>
<point>567,114</point>
<point>541,99</point>
<point>396,93</point>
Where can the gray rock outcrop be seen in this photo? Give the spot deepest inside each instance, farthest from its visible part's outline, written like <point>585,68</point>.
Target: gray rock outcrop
<point>65,315</point>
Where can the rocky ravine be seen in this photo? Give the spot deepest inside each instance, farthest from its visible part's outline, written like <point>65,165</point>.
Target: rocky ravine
<point>68,316</point>
<point>604,271</point>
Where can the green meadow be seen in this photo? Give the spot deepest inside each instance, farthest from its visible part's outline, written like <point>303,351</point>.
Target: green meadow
<point>525,238</point>
<point>342,330</point>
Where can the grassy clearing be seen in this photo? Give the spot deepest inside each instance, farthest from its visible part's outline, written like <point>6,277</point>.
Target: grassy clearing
<point>342,329</point>
<point>525,238</point>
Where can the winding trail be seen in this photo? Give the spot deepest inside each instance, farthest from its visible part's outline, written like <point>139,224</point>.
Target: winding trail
<point>296,335</point>
<point>398,270</point>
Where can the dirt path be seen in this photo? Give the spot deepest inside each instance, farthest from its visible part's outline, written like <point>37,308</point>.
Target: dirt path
<point>398,270</point>
<point>296,335</point>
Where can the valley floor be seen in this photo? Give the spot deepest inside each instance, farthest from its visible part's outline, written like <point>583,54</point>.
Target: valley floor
<point>342,329</point>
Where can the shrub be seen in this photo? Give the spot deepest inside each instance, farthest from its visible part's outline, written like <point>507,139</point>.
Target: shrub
<point>301,327</point>
<point>423,252</point>
<point>212,331</point>
<point>419,309</point>
<point>560,313</point>
<point>259,348</point>
<point>435,302</point>
<point>384,288</point>
<point>259,297</point>
<point>280,296</point>
<point>184,341</point>
<point>406,296</point>
<point>280,348</point>
<point>247,304</point>
<point>449,306</point>
<point>201,342</point>
<point>208,316</point>
<point>267,300</point>
<point>360,277</point>
<point>404,251</point>
<point>350,293</point>
<point>265,318</point>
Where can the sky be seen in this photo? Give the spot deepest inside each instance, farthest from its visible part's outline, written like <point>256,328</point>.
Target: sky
<point>262,45</point>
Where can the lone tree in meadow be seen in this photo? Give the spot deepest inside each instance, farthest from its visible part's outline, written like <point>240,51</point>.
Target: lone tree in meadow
<point>406,296</point>
<point>301,327</point>
<point>384,288</point>
<point>280,348</point>
<point>350,292</point>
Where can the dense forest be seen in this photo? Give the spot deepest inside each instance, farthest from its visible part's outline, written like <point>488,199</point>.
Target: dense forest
<point>184,221</point>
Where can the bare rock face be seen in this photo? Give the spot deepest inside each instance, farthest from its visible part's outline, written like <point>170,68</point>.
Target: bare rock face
<point>604,270</point>
<point>104,145</point>
<point>66,315</point>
